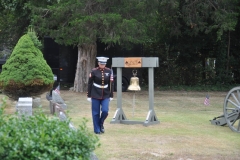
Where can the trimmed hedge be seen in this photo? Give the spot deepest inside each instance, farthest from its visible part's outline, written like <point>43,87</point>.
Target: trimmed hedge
<point>26,72</point>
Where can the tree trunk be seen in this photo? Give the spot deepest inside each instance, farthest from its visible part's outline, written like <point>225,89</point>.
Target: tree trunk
<point>86,61</point>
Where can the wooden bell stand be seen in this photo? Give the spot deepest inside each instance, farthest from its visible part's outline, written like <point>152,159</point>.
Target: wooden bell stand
<point>135,62</point>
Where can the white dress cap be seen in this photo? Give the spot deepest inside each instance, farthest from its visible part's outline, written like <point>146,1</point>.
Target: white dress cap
<point>102,60</point>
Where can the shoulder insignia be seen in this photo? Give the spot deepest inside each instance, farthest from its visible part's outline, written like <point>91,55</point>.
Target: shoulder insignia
<point>107,68</point>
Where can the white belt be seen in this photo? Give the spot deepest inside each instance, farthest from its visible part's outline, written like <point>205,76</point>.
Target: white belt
<point>99,86</point>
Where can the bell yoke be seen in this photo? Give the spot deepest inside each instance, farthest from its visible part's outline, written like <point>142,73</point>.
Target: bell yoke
<point>100,92</point>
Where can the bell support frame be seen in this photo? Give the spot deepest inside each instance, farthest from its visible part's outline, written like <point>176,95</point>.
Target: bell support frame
<point>135,62</point>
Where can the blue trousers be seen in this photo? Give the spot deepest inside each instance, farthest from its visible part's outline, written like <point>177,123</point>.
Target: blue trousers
<point>97,106</point>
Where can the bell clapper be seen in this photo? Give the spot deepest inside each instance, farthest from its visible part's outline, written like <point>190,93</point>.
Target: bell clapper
<point>133,103</point>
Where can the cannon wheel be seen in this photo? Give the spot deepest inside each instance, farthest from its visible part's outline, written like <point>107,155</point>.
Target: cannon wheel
<point>232,109</point>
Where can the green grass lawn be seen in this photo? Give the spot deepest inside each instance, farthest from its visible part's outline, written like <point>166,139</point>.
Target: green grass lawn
<point>184,131</point>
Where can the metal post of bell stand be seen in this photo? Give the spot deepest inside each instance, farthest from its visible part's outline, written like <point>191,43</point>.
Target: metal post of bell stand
<point>119,116</point>
<point>151,116</point>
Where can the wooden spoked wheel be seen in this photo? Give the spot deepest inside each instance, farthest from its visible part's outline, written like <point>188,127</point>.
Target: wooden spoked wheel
<point>231,109</point>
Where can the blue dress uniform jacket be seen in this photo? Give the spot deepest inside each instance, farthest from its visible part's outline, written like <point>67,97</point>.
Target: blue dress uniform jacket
<point>100,84</point>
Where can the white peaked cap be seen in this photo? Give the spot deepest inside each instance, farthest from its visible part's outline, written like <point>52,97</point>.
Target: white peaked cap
<point>102,60</point>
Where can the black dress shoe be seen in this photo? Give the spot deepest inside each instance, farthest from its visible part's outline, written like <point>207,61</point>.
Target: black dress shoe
<point>97,132</point>
<point>102,129</point>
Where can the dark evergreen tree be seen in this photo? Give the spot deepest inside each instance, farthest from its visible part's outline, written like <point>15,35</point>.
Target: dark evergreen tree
<point>82,23</point>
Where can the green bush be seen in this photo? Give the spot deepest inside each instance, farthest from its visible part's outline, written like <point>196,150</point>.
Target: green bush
<point>26,73</point>
<point>41,138</point>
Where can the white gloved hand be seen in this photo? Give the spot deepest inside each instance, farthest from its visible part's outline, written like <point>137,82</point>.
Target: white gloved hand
<point>111,99</point>
<point>89,99</point>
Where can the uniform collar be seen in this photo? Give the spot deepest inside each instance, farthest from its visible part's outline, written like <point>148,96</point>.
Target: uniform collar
<point>101,69</point>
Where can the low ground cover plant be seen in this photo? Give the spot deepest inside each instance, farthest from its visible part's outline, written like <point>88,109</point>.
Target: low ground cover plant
<point>43,138</point>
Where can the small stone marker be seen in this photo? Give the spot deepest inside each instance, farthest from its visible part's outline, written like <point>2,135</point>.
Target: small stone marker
<point>24,106</point>
<point>63,117</point>
<point>58,99</point>
<point>36,102</point>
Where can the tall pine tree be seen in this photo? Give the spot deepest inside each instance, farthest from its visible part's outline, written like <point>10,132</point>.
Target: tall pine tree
<point>82,23</point>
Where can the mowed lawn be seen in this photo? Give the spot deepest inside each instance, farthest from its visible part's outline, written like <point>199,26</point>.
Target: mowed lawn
<point>184,131</point>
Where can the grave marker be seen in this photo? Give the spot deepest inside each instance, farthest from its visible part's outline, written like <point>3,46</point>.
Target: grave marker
<point>24,106</point>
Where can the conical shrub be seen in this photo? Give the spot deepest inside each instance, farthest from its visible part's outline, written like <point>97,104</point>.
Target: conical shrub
<point>25,73</point>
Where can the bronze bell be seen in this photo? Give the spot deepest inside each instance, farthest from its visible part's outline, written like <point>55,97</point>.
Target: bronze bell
<point>134,83</point>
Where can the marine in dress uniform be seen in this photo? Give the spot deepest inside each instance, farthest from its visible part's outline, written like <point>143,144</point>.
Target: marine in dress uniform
<point>100,93</point>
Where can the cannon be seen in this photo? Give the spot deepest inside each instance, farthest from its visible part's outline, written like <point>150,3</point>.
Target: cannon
<point>231,111</point>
